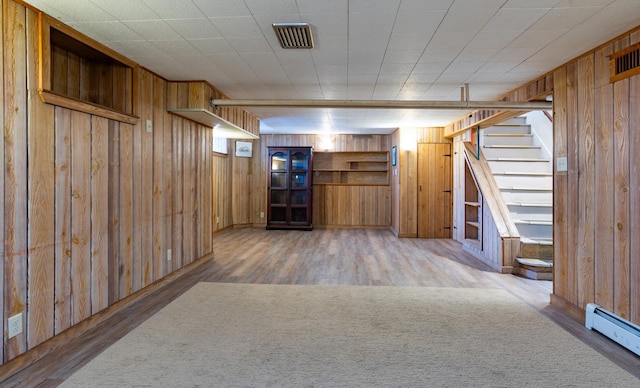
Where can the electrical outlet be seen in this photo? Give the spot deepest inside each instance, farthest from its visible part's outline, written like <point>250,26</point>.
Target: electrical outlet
<point>149,126</point>
<point>168,254</point>
<point>261,214</point>
<point>14,325</point>
<point>217,220</point>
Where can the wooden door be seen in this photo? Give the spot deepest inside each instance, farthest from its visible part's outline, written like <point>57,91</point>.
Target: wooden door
<point>435,196</point>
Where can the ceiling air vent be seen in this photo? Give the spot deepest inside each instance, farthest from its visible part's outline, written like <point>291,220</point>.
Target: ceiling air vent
<point>625,63</point>
<point>294,35</point>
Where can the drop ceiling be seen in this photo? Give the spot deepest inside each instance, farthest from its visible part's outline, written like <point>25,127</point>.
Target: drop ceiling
<point>363,49</point>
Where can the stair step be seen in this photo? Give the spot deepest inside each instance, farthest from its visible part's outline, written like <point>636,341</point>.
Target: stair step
<point>533,160</point>
<point>509,146</point>
<point>533,222</point>
<point>526,240</point>
<point>534,262</point>
<point>523,173</point>
<point>521,188</point>
<point>508,134</point>
<point>530,204</point>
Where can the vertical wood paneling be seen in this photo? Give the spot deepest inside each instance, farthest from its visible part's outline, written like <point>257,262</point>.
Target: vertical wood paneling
<point>167,211</point>
<point>114,213</point>
<point>126,212</point>
<point>146,180</point>
<point>560,184</point>
<point>634,190</point>
<point>2,194</point>
<point>604,154</point>
<point>187,195</point>
<point>136,270</point>
<point>41,236</point>
<point>621,196</point>
<point>80,216</point>
<point>15,158</point>
<point>586,182</point>
<point>99,213</point>
<point>82,195</point>
<point>63,219</point>
<point>178,192</point>
<point>159,260</point>
<point>572,180</point>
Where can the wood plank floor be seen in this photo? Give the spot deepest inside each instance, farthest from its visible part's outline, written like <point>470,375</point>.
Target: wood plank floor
<point>323,256</point>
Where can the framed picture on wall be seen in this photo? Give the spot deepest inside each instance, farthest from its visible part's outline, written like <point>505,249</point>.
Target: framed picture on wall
<point>394,155</point>
<point>244,149</point>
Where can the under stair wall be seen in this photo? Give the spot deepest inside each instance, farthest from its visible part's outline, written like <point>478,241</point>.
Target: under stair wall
<point>499,242</point>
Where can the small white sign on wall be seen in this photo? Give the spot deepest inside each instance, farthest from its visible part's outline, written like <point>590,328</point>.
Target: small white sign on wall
<point>561,164</point>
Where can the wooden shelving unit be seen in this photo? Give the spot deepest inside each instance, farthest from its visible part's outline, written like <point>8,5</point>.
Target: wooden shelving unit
<point>351,168</point>
<point>472,209</point>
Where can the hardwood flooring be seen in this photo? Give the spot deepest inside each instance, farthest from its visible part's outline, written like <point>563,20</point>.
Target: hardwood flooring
<point>323,256</point>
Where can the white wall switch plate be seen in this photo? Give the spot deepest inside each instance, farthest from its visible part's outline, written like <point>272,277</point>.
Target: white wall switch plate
<point>14,325</point>
<point>561,164</point>
<point>149,126</point>
<point>261,214</point>
<point>168,254</point>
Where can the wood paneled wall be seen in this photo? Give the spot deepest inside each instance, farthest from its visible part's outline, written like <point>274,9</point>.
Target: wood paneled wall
<point>404,176</point>
<point>597,201</point>
<point>90,206</point>
<point>336,206</point>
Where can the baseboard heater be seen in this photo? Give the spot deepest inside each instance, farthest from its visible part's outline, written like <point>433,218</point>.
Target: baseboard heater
<point>617,328</point>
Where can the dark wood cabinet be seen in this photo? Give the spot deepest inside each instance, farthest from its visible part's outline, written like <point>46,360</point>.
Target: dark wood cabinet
<point>289,188</point>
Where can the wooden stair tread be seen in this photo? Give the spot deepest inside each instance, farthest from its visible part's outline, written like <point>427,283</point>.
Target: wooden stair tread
<point>530,204</point>
<point>532,262</point>
<point>523,173</point>
<point>522,188</point>
<point>517,160</point>
<point>513,146</point>
<point>534,222</point>
<point>508,134</point>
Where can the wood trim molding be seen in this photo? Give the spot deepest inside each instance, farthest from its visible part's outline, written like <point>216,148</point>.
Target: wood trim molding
<point>53,98</point>
<point>15,365</point>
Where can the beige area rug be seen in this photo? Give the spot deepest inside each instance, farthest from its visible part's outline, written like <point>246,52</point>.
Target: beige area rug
<point>239,335</point>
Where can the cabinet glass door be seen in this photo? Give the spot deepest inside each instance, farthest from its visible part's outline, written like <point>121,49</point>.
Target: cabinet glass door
<point>299,161</point>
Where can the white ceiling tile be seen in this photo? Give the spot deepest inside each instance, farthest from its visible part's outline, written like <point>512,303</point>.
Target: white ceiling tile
<point>241,26</point>
<point>153,29</point>
<point>327,24</point>
<point>272,7</point>
<point>451,39</point>
<point>491,39</point>
<point>402,56</point>
<point>107,31</point>
<point>467,20</point>
<point>176,48</point>
<point>126,9</point>
<point>424,23</point>
<point>222,8</point>
<point>374,6</point>
<point>408,41</point>
<point>422,6</point>
<point>561,18</point>
<point>477,4</point>
<point>528,3</point>
<point>201,28</point>
<point>512,19</point>
<point>249,44</point>
<point>536,38</point>
<point>370,23</point>
<point>74,11</point>
<point>214,46</point>
<point>170,9</point>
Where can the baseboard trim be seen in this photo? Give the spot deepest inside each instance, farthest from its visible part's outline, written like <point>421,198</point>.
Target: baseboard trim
<point>570,309</point>
<point>33,355</point>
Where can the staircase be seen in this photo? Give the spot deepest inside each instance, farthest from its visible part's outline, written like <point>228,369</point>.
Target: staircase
<point>523,171</point>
